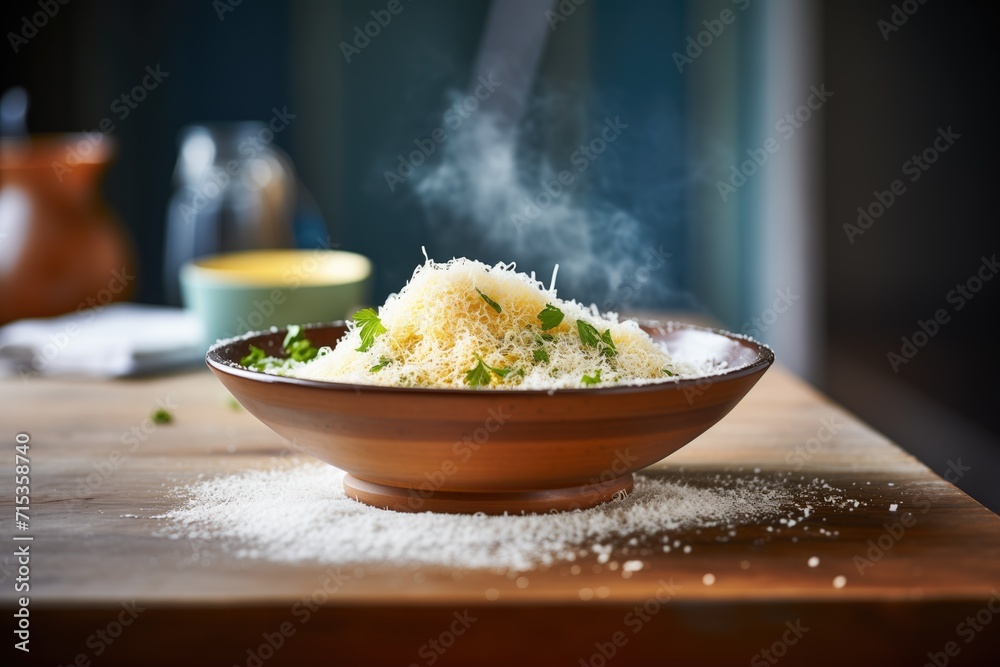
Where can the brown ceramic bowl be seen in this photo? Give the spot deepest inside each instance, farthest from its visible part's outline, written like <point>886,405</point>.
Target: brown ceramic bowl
<point>493,451</point>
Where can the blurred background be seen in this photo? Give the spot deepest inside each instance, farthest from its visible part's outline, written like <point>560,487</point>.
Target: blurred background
<point>813,174</point>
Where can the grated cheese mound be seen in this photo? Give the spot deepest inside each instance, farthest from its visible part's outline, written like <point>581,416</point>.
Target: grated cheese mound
<point>438,325</point>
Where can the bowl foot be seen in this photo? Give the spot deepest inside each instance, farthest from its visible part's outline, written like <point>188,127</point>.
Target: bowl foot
<point>501,502</point>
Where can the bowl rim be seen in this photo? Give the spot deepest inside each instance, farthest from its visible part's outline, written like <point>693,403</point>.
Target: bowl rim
<point>764,359</point>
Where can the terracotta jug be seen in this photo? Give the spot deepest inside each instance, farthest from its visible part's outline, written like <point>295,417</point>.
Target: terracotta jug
<point>61,250</point>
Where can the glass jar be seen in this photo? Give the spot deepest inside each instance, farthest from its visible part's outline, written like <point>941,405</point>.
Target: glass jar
<point>234,190</point>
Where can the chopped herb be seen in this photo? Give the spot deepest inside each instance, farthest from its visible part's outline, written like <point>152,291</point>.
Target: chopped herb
<point>550,317</point>
<point>254,358</point>
<point>541,355</point>
<point>301,350</point>
<point>592,379</point>
<point>382,363</point>
<point>293,334</point>
<point>296,346</point>
<point>493,304</point>
<point>609,350</point>
<point>371,326</point>
<point>162,416</point>
<point>588,334</point>
<point>520,372</point>
<point>669,374</point>
<point>480,375</point>
<point>234,405</point>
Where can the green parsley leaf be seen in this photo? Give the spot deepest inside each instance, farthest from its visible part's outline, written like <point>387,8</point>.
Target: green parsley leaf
<point>588,334</point>
<point>162,416</point>
<point>543,337</point>
<point>293,335</point>
<point>371,326</point>
<point>669,374</point>
<point>297,346</point>
<point>541,356</point>
<point>493,304</point>
<point>479,376</point>
<point>382,363</point>
<point>550,317</point>
<point>592,379</point>
<point>301,350</point>
<point>255,356</point>
<point>608,350</point>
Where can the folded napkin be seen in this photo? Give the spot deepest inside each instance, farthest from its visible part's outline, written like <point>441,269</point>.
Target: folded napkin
<point>113,341</point>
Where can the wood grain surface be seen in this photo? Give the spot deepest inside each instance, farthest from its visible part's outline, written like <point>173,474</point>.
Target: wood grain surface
<point>96,547</point>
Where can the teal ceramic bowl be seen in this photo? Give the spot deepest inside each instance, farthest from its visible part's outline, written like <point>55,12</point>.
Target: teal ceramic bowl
<point>235,293</point>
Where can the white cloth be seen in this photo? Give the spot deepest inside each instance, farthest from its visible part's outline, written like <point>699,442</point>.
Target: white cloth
<point>113,341</point>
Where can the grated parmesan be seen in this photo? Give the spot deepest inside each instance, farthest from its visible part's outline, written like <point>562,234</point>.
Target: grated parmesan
<point>442,322</point>
<point>297,512</point>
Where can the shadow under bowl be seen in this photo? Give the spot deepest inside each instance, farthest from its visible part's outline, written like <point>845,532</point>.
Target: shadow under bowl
<point>490,450</point>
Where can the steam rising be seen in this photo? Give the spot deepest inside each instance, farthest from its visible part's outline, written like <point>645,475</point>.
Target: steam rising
<point>480,191</point>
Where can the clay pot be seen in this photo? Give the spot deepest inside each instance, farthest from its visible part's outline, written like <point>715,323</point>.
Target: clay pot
<point>60,248</point>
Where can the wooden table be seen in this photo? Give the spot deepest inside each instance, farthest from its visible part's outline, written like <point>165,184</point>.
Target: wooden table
<point>96,549</point>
